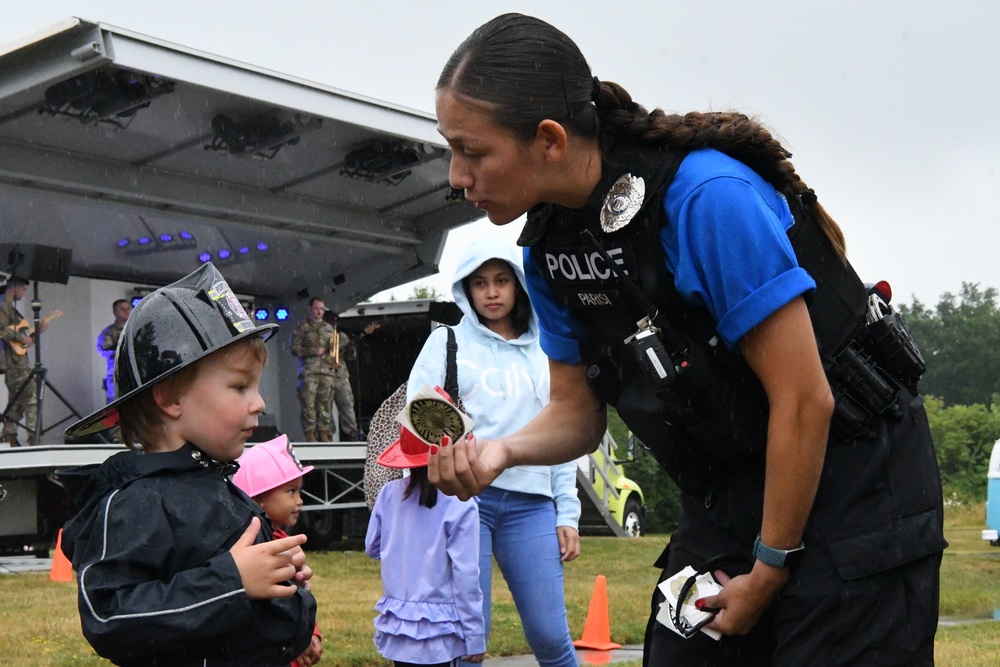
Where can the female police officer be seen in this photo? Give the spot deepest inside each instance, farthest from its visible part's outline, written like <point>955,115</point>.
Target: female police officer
<point>753,331</point>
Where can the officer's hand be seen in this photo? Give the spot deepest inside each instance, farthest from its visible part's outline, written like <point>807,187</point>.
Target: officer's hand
<point>264,567</point>
<point>465,468</point>
<point>743,599</point>
<point>27,342</point>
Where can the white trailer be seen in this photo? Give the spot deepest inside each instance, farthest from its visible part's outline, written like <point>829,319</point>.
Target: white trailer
<point>992,532</point>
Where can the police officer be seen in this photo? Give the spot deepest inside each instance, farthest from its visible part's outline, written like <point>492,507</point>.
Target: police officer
<point>312,343</point>
<point>752,330</point>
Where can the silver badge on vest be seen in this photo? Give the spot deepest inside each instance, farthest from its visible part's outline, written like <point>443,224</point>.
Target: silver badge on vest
<point>622,202</point>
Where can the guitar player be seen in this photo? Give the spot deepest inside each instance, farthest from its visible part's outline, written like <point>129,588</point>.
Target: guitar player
<point>17,366</point>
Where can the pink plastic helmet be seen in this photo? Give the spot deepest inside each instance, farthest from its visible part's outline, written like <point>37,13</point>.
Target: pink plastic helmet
<point>267,466</point>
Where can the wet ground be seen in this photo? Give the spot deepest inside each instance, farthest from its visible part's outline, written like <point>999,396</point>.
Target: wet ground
<point>17,564</point>
<point>585,657</point>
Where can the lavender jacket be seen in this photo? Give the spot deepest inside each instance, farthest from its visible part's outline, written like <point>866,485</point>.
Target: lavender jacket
<point>431,608</point>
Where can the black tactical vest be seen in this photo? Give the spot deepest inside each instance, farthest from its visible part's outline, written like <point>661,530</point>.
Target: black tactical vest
<point>714,413</point>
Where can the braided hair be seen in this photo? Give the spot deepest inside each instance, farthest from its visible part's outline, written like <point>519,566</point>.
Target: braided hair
<point>521,70</point>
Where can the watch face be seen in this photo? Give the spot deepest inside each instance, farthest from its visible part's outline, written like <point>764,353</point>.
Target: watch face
<point>432,419</point>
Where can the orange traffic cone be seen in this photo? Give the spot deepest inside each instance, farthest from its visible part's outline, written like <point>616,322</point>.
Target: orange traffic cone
<point>597,629</point>
<point>61,570</point>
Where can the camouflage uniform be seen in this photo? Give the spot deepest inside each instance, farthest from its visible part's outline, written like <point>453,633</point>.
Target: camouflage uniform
<point>107,343</point>
<point>316,377</point>
<point>17,371</point>
<point>343,394</point>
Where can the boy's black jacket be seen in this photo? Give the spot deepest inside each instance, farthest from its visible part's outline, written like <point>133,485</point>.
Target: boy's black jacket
<point>157,584</point>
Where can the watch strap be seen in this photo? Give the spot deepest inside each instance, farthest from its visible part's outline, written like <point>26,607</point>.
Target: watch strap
<point>777,557</point>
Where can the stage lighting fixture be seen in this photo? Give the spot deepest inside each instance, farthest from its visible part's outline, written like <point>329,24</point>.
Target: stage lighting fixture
<point>381,162</point>
<point>261,137</point>
<point>281,314</point>
<point>153,243</point>
<point>102,97</point>
<point>138,293</point>
<point>261,314</point>
<point>229,256</point>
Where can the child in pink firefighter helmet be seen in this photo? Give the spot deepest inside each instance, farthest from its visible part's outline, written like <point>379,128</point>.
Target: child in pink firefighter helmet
<point>271,474</point>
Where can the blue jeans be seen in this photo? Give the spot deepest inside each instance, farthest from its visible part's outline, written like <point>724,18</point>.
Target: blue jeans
<point>519,530</point>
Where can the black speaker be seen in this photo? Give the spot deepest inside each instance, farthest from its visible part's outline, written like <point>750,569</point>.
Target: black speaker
<point>47,264</point>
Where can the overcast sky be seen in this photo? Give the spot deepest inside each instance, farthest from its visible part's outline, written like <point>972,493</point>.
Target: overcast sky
<point>890,107</point>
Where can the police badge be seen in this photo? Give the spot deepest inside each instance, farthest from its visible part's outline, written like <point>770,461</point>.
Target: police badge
<point>622,202</point>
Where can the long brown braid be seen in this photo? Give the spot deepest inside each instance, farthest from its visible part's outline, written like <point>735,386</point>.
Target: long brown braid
<point>521,70</point>
<point>730,132</point>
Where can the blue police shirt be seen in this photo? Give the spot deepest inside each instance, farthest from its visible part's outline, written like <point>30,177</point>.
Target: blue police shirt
<point>726,245</point>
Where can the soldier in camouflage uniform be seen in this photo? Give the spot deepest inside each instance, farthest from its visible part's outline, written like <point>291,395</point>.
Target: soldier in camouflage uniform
<point>343,394</point>
<point>311,344</point>
<point>107,343</point>
<point>17,366</point>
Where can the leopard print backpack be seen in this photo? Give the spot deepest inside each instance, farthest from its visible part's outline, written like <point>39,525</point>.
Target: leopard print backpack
<point>384,429</point>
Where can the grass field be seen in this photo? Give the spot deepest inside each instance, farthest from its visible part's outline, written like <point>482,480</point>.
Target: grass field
<point>39,623</point>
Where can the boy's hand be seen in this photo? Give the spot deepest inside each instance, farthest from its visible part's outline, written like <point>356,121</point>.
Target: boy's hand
<point>263,567</point>
<point>303,573</point>
<point>478,657</point>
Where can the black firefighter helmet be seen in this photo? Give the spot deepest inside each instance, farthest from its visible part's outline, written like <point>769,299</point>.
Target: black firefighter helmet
<point>169,329</point>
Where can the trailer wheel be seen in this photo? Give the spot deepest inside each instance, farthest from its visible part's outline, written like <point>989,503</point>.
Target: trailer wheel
<point>322,528</point>
<point>634,517</point>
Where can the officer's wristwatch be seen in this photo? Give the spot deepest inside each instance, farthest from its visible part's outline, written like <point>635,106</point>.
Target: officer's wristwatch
<point>777,557</point>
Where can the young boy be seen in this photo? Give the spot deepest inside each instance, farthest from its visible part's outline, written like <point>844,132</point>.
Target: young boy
<point>175,565</point>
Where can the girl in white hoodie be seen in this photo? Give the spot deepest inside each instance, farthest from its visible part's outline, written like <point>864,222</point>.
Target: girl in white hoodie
<point>530,514</point>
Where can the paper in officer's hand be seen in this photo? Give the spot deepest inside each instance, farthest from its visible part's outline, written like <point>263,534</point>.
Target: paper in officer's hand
<point>430,415</point>
<point>705,585</point>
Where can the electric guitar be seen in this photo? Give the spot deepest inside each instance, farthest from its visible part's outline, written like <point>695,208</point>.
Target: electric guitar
<point>24,327</point>
<point>335,341</point>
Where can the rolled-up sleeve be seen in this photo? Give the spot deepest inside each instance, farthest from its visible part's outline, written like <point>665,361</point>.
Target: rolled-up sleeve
<point>564,494</point>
